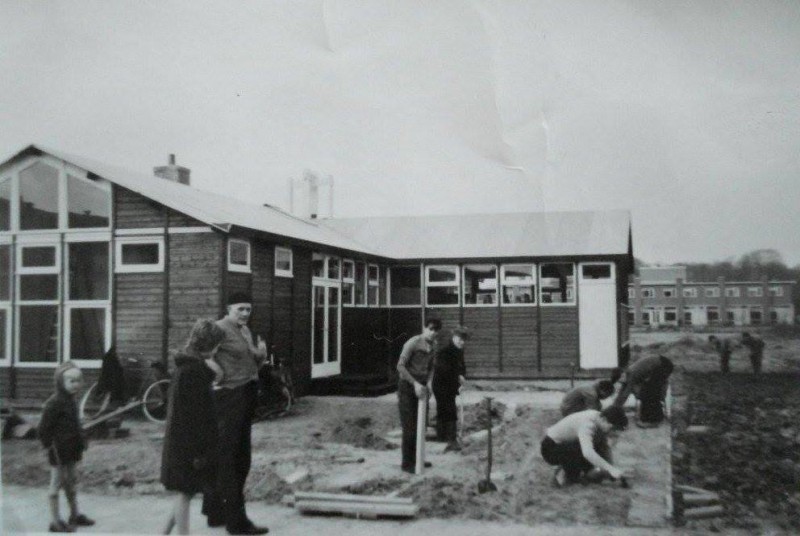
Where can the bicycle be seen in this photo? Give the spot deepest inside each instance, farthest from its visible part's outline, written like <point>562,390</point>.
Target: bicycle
<point>150,394</point>
<point>275,390</point>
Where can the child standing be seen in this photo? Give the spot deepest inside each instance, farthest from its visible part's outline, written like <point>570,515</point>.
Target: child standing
<point>60,433</point>
<point>189,460</point>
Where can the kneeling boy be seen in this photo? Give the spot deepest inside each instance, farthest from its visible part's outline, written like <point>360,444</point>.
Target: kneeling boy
<point>579,442</point>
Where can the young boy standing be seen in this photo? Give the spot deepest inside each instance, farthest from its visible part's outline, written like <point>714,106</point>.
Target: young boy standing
<point>60,433</point>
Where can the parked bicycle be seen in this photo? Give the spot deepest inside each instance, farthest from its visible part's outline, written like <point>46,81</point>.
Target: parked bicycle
<point>141,383</point>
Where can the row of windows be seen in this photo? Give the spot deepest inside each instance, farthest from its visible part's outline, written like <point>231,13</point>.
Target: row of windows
<point>479,285</point>
<point>708,292</point>
<point>710,315</point>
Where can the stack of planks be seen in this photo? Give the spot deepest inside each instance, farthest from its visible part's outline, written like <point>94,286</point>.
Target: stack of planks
<point>698,503</point>
<point>371,507</point>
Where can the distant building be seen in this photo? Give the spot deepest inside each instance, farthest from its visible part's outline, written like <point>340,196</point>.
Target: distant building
<point>656,300</point>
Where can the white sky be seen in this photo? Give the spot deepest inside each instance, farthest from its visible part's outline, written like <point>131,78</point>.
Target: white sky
<point>685,112</point>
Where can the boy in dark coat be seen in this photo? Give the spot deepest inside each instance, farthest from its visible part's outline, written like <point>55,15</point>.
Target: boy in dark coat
<point>60,433</point>
<point>449,374</point>
<point>188,462</point>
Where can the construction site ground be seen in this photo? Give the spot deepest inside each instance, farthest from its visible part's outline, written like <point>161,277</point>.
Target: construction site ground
<point>318,447</point>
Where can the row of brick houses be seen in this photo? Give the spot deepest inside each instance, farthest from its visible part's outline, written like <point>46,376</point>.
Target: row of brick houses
<point>94,256</point>
<point>663,297</point>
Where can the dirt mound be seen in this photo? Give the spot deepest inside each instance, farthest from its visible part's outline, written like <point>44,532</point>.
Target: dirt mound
<point>360,432</point>
<point>378,486</point>
<point>476,418</point>
<point>442,498</point>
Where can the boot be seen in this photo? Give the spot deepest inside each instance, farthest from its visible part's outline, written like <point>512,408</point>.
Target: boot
<point>453,444</point>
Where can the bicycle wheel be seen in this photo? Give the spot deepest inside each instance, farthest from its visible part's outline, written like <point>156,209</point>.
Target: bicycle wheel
<point>93,404</point>
<point>154,401</point>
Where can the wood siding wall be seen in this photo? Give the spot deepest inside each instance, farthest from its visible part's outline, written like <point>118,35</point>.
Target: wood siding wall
<point>300,320</point>
<point>194,282</point>
<point>366,346</point>
<point>36,384</point>
<point>139,300</point>
<point>559,336</point>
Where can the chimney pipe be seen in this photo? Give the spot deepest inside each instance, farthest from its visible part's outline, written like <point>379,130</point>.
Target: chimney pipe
<point>172,172</point>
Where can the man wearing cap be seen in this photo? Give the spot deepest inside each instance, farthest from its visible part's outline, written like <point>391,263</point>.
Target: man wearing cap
<point>235,398</point>
<point>586,397</point>
<point>449,374</point>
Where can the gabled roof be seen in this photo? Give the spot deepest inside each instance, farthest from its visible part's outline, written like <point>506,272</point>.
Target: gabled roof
<point>552,234</point>
<point>541,234</point>
<point>212,209</point>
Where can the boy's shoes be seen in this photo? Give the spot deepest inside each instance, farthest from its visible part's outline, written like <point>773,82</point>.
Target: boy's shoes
<point>80,520</point>
<point>60,526</point>
<point>248,529</point>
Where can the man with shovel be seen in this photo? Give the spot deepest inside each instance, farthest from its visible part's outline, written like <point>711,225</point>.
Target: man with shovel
<point>415,369</point>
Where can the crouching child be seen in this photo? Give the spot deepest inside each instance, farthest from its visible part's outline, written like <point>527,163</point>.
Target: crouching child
<point>189,456</point>
<point>60,433</point>
<point>578,445</point>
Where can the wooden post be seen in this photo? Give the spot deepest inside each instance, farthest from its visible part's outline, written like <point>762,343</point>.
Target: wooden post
<point>422,425</point>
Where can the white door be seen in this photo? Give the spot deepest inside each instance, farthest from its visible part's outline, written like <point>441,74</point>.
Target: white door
<point>325,328</point>
<point>597,315</point>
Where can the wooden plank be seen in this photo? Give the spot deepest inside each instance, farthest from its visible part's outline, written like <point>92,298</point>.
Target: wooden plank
<point>107,416</point>
<point>344,497</point>
<point>704,512</point>
<point>357,509</point>
<point>422,405</point>
<point>691,489</point>
<point>697,499</point>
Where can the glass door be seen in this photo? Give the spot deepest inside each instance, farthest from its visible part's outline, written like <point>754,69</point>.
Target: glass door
<point>326,332</point>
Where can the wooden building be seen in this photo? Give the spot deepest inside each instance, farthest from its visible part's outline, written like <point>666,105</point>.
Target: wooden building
<point>93,256</point>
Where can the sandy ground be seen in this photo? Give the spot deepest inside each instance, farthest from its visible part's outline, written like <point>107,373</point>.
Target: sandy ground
<point>309,443</point>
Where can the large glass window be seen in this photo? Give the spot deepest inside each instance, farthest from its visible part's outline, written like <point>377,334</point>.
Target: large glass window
<point>88,271</point>
<point>38,333</point>
<point>5,205</point>
<point>38,188</point>
<point>519,284</point>
<point>557,283</point>
<point>480,284</point>
<point>348,282</point>
<point>88,204</point>
<point>87,333</point>
<point>406,285</point>
<point>5,272</point>
<point>441,285</point>
<point>361,283</point>
<point>373,276</point>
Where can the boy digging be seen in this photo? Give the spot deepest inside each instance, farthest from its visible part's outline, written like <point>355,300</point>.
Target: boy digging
<point>60,433</point>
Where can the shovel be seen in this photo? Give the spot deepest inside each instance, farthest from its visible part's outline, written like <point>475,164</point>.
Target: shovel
<point>487,485</point>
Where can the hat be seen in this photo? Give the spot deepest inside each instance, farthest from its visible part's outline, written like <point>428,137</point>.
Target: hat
<point>239,297</point>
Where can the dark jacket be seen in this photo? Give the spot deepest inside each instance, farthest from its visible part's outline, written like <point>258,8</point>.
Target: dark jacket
<point>188,461</point>
<point>59,428</point>
<point>448,365</point>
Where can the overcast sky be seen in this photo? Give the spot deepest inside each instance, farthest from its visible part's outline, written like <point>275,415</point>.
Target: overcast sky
<point>685,112</point>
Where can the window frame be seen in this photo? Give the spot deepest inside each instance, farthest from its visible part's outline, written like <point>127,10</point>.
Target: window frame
<point>421,273</point>
<point>648,292</point>
<point>502,284</point>
<point>463,286</point>
<point>8,308</point>
<point>711,292</point>
<point>733,292</point>
<point>775,291</point>
<point>67,331</point>
<point>668,292</point>
<point>572,300</point>
<point>246,268</point>
<point>373,283</point>
<point>442,284</point>
<point>631,293</point>
<point>348,281</point>
<point>690,292</point>
<point>755,292</point>
<point>67,280</point>
<point>279,272</point>
<point>121,268</point>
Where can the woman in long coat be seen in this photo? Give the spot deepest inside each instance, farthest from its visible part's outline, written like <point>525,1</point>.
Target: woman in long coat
<point>188,462</point>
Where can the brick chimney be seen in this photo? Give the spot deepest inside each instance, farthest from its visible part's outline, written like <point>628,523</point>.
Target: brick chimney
<point>173,172</point>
